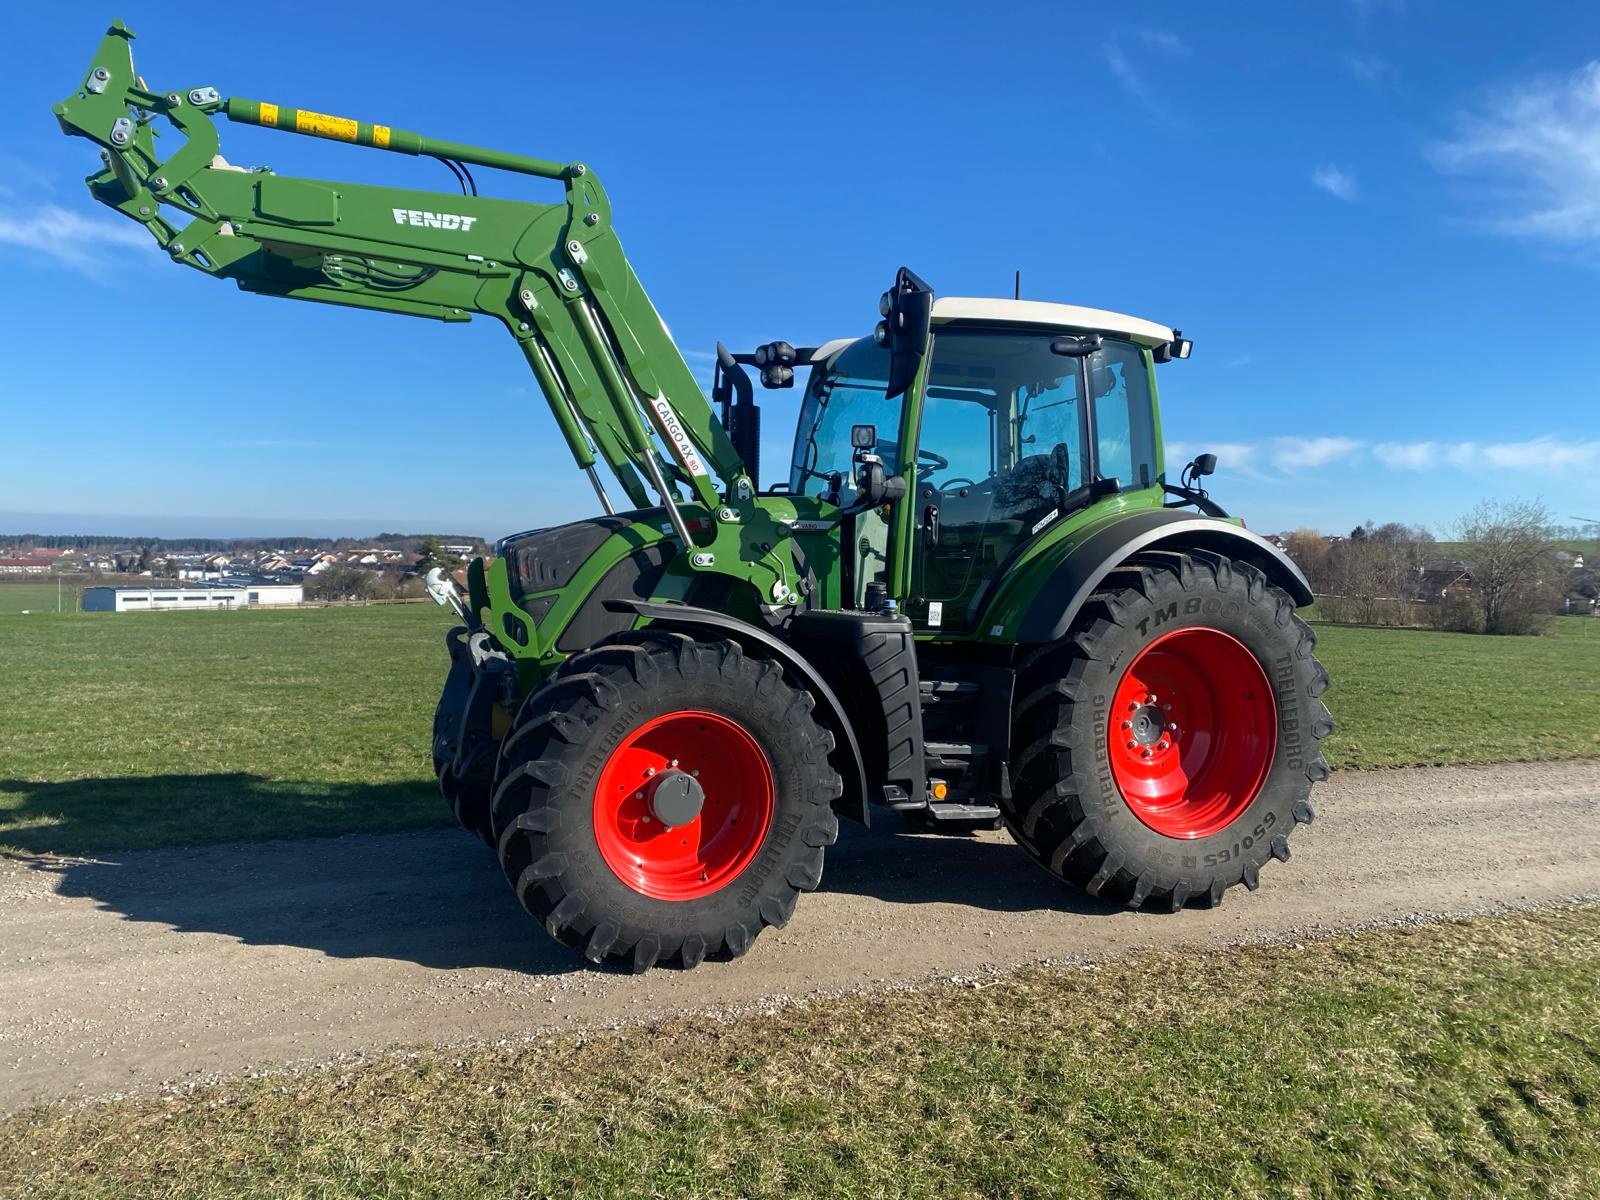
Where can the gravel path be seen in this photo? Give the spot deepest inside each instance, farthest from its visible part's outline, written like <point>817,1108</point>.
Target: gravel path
<point>127,972</point>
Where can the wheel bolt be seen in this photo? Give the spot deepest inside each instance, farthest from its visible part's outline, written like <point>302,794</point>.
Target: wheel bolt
<point>1133,745</point>
<point>1162,745</point>
<point>674,762</point>
<point>1172,725</point>
<point>1133,706</point>
<point>638,795</point>
<point>1150,699</point>
<point>1127,724</point>
<point>1148,752</point>
<point>649,771</point>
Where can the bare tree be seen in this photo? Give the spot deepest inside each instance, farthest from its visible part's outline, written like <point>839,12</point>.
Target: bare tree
<point>1311,553</point>
<point>344,582</point>
<point>1508,551</point>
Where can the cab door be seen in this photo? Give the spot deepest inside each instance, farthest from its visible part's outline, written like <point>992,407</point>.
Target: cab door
<point>1002,444</point>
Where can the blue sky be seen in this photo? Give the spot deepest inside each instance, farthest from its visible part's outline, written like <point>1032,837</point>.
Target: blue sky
<point>1380,221</point>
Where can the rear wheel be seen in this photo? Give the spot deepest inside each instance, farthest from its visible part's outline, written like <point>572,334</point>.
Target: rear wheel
<point>662,800</point>
<point>1167,746</point>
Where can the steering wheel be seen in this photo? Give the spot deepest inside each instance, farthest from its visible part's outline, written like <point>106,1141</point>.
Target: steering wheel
<point>939,461</point>
<point>948,484</point>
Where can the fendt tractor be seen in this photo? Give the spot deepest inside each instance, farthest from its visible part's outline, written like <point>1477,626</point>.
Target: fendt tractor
<point>976,597</point>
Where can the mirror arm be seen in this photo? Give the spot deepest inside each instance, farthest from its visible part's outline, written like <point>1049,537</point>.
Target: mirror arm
<point>1188,496</point>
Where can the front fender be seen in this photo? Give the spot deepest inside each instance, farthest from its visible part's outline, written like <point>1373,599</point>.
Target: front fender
<point>1072,581</point>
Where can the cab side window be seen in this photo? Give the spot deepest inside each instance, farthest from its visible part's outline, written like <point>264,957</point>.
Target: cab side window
<point>1119,380</point>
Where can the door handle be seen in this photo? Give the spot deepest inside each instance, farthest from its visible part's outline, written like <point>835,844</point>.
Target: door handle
<point>930,525</point>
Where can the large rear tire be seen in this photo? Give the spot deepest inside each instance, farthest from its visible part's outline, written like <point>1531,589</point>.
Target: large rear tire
<point>1166,747</point>
<point>662,800</point>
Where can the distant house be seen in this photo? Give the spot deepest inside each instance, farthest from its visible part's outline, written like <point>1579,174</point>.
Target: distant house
<point>24,566</point>
<point>1440,579</point>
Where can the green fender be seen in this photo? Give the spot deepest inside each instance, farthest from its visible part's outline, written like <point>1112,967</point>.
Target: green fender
<point>1072,581</point>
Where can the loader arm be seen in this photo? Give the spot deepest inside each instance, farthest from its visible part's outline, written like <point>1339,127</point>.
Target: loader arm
<point>554,274</point>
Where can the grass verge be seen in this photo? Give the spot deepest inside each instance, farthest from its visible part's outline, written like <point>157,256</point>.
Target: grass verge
<point>132,730</point>
<point>1413,697</point>
<point>1459,1059</point>
<point>152,729</point>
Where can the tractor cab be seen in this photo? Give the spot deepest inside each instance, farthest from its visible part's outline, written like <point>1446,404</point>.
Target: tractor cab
<point>1023,413</point>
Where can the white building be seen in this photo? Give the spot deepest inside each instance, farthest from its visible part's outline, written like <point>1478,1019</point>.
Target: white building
<point>171,596</point>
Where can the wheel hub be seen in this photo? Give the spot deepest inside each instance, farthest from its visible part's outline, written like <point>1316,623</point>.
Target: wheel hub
<point>1147,725</point>
<point>676,798</point>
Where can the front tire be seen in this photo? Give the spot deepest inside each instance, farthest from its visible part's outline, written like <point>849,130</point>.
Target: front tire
<point>1168,744</point>
<point>662,800</point>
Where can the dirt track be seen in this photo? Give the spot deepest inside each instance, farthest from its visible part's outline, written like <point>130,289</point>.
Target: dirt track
<point>125,971</point>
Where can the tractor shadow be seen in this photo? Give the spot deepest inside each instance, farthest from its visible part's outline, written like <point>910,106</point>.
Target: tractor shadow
<point>901,863</point>
<point>434,897</point>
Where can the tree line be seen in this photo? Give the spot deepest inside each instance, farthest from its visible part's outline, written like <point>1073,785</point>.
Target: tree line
<point>1502,572</point>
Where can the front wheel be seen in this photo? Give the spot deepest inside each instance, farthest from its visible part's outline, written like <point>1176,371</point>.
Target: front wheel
<point>1167,746</point>
<point>662,800</point>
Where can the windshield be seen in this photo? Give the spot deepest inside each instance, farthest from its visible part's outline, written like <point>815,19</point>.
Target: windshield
<point>850,393</point>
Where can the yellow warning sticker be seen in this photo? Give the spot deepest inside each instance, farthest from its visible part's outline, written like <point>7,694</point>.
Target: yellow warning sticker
<point>380,136</point>
<point>340,128</point>
<point>269,114</point>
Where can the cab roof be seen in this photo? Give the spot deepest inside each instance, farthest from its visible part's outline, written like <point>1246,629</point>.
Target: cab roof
<point>948,309</point>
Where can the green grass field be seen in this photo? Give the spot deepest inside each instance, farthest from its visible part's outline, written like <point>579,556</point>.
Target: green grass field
<point>37,598</point>
<point>1458,1060</point>
<point>142,729</point>
<point>145,729</point>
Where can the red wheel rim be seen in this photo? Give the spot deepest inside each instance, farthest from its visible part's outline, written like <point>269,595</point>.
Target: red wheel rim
<point>1192,732</point>
<point>707,851</point>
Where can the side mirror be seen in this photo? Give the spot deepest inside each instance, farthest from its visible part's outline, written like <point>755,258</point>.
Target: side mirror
<point>1203,464</point>
<point>906,328</point>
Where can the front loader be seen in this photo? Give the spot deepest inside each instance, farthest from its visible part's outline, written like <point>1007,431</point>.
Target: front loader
<point>975,598</point>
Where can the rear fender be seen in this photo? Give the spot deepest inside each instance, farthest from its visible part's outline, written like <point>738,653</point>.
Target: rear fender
<point>830,710</point>
<point>1069,585</point>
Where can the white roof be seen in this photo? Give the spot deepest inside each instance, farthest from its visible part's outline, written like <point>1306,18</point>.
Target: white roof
<point>1031,312</point>
<point>1039,312</point>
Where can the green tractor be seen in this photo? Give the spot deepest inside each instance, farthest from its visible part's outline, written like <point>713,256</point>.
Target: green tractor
<point>974,598</point>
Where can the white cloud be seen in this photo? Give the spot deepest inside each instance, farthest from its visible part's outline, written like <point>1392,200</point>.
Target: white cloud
<point>1541,143</point>
<point>1377,72</point>
<point>1335,181</point>
<point>1271,456</point>
<point>1132,77</point>
<point>70,237</point>
<point>1414,456</point>
<point>1165,42</point>
<point>1278,458</point>
<point>1294,454</point>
